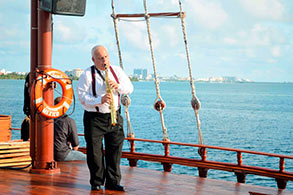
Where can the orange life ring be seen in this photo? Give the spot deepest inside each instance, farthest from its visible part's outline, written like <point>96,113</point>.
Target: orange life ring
<point>49,76</point>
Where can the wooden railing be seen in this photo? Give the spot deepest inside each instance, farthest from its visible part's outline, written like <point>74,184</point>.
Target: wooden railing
<point>240,169</point>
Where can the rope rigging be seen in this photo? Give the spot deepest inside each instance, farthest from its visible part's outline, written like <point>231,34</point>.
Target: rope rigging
<point>125,99</point>
<point>159,104</point>
<point>195,103</point>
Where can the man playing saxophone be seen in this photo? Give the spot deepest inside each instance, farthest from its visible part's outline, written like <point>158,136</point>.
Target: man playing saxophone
<point>99,89</point>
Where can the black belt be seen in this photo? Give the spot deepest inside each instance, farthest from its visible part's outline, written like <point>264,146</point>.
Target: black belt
<point>100,113</point>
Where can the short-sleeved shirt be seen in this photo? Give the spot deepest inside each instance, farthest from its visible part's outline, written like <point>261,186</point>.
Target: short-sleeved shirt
<point>65,133</point>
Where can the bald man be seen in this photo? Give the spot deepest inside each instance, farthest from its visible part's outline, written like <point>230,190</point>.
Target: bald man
<point>95,101</point>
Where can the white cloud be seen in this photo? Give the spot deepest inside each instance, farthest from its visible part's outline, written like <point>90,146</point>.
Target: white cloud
<point>181,55</point>
<point>170,35</point>
<point>265,9</point>
<point>64,32</point>
<point>271,61</point>
<point>209,14</point>
<point>250,53</point>
<point>261,35</point>
<point>230,41</point>
<point>163,2</point>
<point>136,34</point>
<point>276,51</point>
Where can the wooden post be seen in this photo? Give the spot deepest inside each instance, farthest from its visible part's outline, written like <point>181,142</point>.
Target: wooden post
<point>240,177</point>
<point>239,158</point>
<point>282,164</point>
<point>132,162</point>
<point>167,166</point>
<point>282,183</point>
<point>203,172</point>
<point>132,146</point>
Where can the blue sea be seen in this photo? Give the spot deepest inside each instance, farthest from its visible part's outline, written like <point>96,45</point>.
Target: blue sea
<point>253,116</point>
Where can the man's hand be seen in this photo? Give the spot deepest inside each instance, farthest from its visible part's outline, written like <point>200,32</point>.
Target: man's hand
<point>113,84</point>
<point>106,98</point>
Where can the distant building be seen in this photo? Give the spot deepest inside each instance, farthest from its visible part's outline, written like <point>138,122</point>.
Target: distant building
<point>68,72</point>
<point>77,72</point>
<point>140,73</point>
<point>2,71</point>
<point>21,73</point>
<point>224,79</point>
<point>74,73</point>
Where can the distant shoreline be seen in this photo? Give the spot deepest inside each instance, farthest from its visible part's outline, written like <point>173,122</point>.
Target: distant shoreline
<point>284,82</point>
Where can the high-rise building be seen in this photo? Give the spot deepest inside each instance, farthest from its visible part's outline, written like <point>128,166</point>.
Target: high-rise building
<point>140,73</point>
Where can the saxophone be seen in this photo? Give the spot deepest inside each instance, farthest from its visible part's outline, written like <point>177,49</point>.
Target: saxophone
<point>110,90</point>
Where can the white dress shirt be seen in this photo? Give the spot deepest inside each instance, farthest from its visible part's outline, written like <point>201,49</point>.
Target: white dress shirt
<point>85,93</point>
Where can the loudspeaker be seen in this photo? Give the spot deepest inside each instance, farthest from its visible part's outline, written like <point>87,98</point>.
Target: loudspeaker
<point>64,7</point>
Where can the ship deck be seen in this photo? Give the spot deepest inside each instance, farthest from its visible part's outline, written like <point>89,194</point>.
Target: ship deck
<point>74,179</point>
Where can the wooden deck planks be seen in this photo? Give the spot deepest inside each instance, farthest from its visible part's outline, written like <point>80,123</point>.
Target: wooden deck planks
<point>74,179</point>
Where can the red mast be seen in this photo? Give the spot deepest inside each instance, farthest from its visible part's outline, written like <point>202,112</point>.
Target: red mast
<point>41,129</point>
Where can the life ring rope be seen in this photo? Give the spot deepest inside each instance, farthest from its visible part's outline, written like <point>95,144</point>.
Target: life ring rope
<point>41,82</point>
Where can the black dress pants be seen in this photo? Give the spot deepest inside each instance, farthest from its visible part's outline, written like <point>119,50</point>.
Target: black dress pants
<point>103,166</point>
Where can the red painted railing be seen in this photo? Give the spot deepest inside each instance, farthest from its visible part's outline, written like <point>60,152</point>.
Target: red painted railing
<point>204,165</point>
<point>240,169</point>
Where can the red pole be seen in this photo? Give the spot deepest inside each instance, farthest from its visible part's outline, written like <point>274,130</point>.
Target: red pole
<point>33,65</point>
<point>44,157</point>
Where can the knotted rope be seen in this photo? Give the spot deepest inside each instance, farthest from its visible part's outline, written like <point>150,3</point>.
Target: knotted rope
<point>159,104</point>
<point>195,103</point>
<point>125,99</point>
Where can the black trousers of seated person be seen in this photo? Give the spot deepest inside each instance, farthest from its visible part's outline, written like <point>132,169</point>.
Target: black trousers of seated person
<point>103,166</point>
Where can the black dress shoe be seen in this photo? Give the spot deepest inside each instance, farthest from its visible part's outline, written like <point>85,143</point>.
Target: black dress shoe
<point>114,187</point>
<point>96,188</point>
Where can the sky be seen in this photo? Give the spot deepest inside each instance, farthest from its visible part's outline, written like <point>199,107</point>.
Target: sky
<point>249,39</point>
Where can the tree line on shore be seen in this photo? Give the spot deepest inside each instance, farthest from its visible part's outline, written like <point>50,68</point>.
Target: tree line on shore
<point>15,76</point>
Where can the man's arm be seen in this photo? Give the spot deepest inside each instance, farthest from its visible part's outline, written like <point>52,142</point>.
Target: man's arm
<point>73,135</point>
<point>125,86</point>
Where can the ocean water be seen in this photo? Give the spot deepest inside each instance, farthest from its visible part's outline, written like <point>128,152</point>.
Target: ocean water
<point>253,116</point>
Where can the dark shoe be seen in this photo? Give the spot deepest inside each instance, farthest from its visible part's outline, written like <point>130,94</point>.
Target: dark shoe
<point>96,188</point>
<point>114,187</point>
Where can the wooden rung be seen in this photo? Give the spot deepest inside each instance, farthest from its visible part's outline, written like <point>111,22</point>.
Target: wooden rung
<point>150,14</point>
<point>14,151</point>
<point>14,147</point>
<point>15,164</point>
<point>13,160</point>
<point>5,145</point>
<point>14,154</point>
